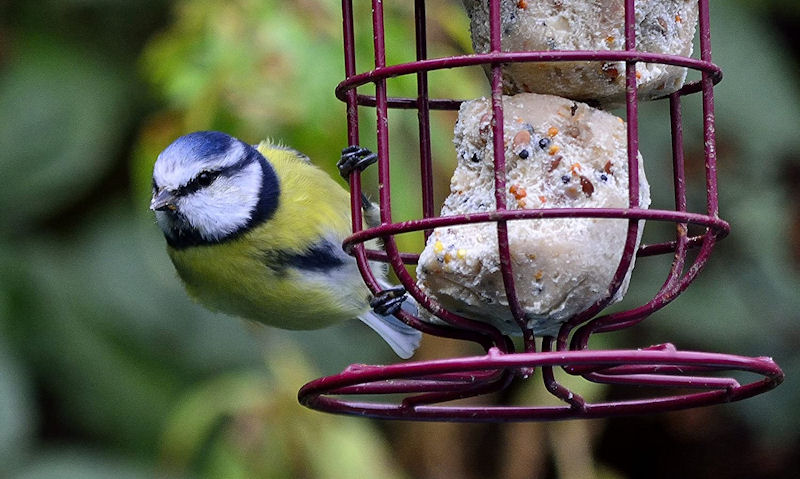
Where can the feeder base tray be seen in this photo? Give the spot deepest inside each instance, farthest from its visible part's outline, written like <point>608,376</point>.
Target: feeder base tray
<point>425,390</point>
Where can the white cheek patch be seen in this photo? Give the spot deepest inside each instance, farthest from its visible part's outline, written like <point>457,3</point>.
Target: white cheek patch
<point>226,205</point>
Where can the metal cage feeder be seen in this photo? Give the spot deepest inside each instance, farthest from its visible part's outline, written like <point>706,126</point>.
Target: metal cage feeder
<point>427,390</point>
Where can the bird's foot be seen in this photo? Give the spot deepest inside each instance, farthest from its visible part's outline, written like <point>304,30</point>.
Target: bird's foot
<point>355,158</point>
<point>388,301</point>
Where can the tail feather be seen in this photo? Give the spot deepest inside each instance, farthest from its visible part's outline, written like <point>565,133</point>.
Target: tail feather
<point>403,339</point>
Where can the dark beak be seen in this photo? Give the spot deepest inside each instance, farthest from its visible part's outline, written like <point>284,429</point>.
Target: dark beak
<point>163,200</point>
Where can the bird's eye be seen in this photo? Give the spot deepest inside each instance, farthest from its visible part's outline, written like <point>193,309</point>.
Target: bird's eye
<point>205,178</point>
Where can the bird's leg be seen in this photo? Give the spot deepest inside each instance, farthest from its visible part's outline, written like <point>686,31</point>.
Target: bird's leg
<point>388,301</point>
<point>353,158</point>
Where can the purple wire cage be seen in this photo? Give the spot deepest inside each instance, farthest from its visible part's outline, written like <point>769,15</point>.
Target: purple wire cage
<point>427,390</point>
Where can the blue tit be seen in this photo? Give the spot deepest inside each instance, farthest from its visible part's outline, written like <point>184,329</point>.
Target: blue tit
<point>257,232</point>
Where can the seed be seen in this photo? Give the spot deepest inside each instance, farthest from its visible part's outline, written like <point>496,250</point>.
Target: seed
<point>587,186</point>
<point>523,137</point>
<point>572,192</point>
<point>518,191</point>
<point>554,149</point>
<point>573,131</point>
<point>610,71</point>
<point>438,247</point>
<point>544,143</point>
<point>552,131</point>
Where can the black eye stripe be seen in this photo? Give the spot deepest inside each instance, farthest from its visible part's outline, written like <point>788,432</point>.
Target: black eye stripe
<point>202,180</point>
<point>206,177</point>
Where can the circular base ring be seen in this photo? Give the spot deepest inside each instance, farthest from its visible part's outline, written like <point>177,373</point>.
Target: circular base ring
<point>428,385</point>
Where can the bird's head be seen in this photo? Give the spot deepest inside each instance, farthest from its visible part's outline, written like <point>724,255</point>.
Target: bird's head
<point>209,187</point>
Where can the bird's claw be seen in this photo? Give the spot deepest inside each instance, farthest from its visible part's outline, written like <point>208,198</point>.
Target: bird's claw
<point>355,158</point>
<point>388,301</point>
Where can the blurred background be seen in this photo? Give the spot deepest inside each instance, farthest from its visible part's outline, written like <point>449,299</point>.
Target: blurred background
<point>107,369</point>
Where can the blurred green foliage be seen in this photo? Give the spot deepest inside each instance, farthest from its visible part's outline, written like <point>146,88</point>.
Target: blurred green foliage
<point>107,369</point>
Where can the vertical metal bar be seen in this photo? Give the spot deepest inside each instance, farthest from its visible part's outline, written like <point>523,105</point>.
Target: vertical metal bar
<point>709,140</point>
<point>382,111</point>
<point>350,70</point>
<point>497,113</point>
<point>348,37</point>
<point>679,182</point>
<point>423,115</point>
<point>632,117</point>
<point>632,106</point>
<point>678,157</point>
<point>497,110</point>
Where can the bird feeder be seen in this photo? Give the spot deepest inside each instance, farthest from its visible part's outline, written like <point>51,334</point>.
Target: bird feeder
<point>665,377</point>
